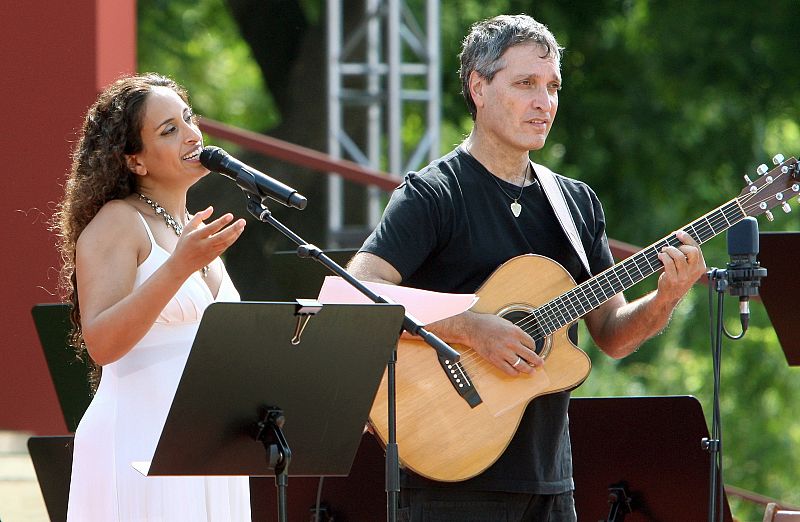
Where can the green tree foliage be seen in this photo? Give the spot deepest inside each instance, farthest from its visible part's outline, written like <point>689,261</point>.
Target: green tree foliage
<point>665,106</point>
<point>198,44</point>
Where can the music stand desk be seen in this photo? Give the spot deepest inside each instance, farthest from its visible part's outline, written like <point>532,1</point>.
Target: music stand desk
<point>69,374</point>
<point>779,252</point>
<point>52,461</point>
<point>242,360</point>
<point>652,445</point>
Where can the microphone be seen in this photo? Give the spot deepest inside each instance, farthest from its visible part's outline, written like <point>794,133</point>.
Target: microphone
<point>744,271</point>
<point>251,180</point>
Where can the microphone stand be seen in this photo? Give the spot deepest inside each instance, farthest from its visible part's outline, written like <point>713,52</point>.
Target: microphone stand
<point>718,281</point>
<point>257,208</point>
<point>742,282</point>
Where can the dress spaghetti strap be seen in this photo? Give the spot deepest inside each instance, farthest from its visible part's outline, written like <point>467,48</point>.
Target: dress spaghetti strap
<point>147,227</point>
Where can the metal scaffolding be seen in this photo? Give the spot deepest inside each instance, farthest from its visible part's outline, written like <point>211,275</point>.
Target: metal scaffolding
<point>379,72</point>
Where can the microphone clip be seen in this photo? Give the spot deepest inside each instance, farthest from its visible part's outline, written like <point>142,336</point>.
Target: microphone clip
<point>745,281</point>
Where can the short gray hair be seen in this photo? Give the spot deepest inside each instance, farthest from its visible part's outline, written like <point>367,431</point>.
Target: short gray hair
<point>483,47</point>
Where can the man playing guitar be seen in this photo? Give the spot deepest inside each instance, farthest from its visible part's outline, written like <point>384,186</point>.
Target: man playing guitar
<point>450,225</point>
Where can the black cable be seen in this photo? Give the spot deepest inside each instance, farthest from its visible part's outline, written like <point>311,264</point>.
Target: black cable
<point>714,442</point>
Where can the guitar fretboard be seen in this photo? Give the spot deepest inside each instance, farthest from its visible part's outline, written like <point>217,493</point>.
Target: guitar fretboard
<point>590,294</point>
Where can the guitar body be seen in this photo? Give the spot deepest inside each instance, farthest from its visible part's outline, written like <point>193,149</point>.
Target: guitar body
<point>439,435</point>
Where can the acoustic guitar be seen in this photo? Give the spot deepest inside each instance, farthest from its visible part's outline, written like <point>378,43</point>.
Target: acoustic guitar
<point>454,419</point>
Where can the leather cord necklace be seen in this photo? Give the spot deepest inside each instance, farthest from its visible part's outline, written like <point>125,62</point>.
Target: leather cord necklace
<point>516,208</point>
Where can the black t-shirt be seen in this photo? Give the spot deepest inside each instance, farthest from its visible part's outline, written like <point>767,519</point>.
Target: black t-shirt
<point>447,228</point>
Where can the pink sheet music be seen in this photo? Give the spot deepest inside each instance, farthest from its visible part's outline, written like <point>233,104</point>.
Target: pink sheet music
<point>426,306</point>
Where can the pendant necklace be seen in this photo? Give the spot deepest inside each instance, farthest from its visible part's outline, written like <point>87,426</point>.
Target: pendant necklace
<point>516,208</point>
<point>170,221</point>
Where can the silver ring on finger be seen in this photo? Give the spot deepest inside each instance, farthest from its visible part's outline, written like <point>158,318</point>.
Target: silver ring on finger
<point>516,363</point>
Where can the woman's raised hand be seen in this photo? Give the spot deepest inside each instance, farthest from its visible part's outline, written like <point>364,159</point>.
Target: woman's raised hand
<point>201,243</point>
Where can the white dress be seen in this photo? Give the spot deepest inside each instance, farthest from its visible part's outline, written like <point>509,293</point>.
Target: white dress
<point>124,421</point>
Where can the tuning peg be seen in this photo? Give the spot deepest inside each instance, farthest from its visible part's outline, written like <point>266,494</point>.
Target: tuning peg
<point>747,179</point>
<point>769,215</point>
<point>777,159</point>
<point>762,169</point>
<point>786,208</point>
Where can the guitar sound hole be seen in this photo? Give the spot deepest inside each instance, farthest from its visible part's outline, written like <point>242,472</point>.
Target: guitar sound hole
<point>527,322</point>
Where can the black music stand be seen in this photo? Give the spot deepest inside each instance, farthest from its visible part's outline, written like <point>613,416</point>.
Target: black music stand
<point>69,374</point>
<point>320,368</point>
<point>779,252</point>
<point>647,449</point>
<point>52,461</point>
<point>52,455</point>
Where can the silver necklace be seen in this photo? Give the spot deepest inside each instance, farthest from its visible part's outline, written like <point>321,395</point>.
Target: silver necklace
<point>169,220</point>
<point>516,208</point>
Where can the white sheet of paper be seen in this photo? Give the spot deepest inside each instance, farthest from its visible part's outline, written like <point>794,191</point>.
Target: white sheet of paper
<point>426,306</point>
<point>141,466</point>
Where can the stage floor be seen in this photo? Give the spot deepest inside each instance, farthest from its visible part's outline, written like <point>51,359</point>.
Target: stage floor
<point>20,497</point>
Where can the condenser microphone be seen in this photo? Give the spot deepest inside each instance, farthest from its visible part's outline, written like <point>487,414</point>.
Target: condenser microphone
<point>744,270</point>
<point>251,180</point>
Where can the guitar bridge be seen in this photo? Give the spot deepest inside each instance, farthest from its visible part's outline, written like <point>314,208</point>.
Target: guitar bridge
<point>461,381</point>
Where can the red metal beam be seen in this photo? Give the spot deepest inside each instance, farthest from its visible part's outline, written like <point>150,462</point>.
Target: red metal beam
<point>622,250</point>
<point>757,498</point>
<point>302,156</point>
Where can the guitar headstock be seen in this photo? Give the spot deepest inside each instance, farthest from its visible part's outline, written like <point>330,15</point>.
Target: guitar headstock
<point>772,187</point>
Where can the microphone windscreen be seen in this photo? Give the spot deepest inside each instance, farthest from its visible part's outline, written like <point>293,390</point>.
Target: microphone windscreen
<point>211,158</point>
<point>743,237</point>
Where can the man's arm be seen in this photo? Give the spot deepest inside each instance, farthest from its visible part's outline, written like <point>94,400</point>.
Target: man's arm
<point>371,268</point>
<point>497,340</point>
<point>618,327</point>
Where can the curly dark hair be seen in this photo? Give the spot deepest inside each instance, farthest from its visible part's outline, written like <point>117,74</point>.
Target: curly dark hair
<point>112,128</point>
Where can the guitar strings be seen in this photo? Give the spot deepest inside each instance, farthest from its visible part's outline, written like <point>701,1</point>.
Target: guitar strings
<point>650,255</point>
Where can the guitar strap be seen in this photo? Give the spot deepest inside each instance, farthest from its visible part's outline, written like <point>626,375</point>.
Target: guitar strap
<point>556,198</point>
